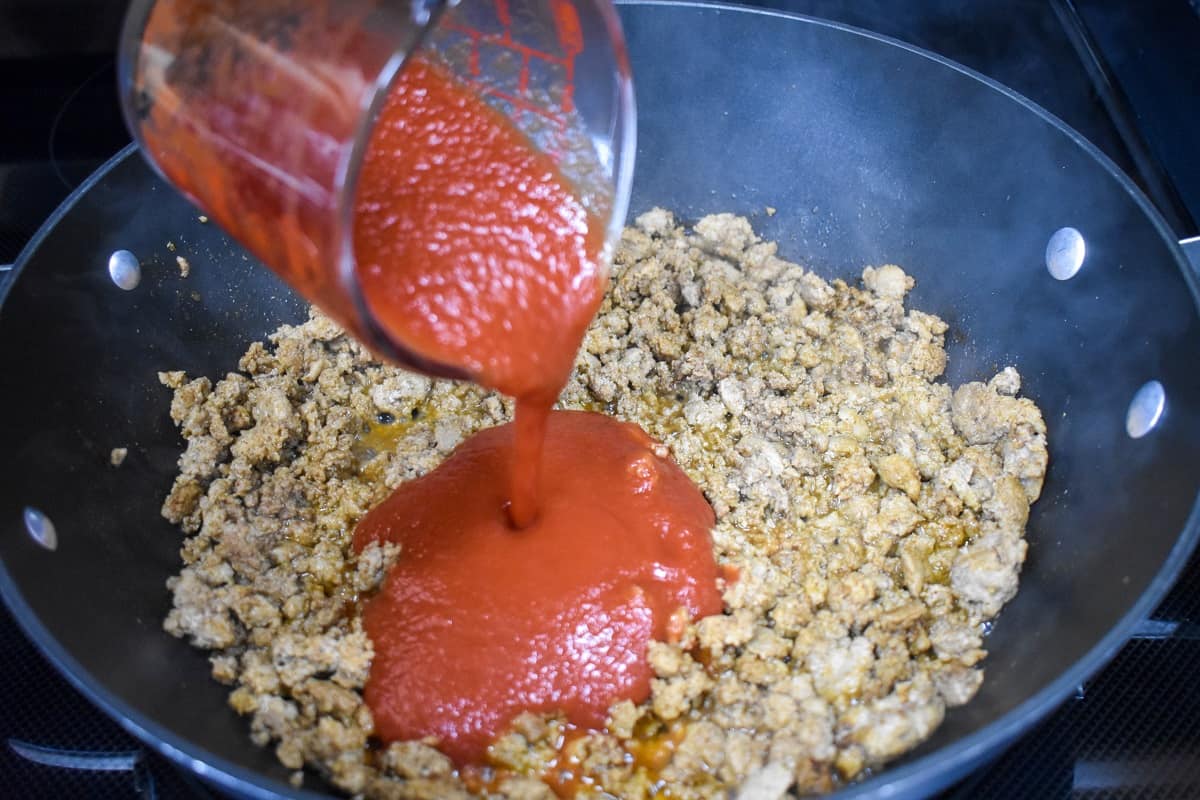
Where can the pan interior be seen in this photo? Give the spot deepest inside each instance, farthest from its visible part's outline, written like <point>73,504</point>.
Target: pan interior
<point>871,153</point>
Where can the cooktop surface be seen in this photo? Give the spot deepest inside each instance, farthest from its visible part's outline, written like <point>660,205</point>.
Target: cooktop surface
<point>1125,74</point>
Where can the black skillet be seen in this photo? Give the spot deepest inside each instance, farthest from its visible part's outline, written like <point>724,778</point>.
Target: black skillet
<point>871,151</point>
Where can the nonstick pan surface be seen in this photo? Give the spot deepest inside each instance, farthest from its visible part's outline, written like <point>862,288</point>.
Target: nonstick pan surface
<point>872,152</point>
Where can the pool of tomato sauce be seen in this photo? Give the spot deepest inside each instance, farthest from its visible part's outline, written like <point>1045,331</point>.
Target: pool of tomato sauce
<point>543,556</point>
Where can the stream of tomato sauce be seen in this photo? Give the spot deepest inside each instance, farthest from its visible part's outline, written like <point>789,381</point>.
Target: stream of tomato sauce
<point>542,557</point>
<point>474,251</point>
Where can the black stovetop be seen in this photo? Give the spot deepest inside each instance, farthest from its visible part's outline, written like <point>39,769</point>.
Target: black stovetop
<point>1124,73</point>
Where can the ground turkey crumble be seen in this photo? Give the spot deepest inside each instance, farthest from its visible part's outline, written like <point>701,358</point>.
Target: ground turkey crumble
<point>874,516</point>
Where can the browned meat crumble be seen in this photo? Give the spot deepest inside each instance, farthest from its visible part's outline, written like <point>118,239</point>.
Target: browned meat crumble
<point>875,518</point>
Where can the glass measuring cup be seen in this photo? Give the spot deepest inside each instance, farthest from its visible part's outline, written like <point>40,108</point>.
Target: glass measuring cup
<point>260,112</point>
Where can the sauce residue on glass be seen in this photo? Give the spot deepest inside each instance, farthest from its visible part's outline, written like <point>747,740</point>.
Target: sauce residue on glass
<point>542,557</point>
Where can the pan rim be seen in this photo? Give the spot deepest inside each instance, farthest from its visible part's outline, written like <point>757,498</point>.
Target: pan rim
<point>47,227</point>
<point>183,752</point>
<point>922,775</point>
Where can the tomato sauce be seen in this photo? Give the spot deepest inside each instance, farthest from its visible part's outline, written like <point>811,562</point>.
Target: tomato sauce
<point>471,248</point>
<point>474,251</point>
<point>477,622</point>
<point>541,559</point>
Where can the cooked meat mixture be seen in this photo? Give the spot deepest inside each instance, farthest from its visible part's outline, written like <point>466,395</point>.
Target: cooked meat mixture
<point>873,516</point>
